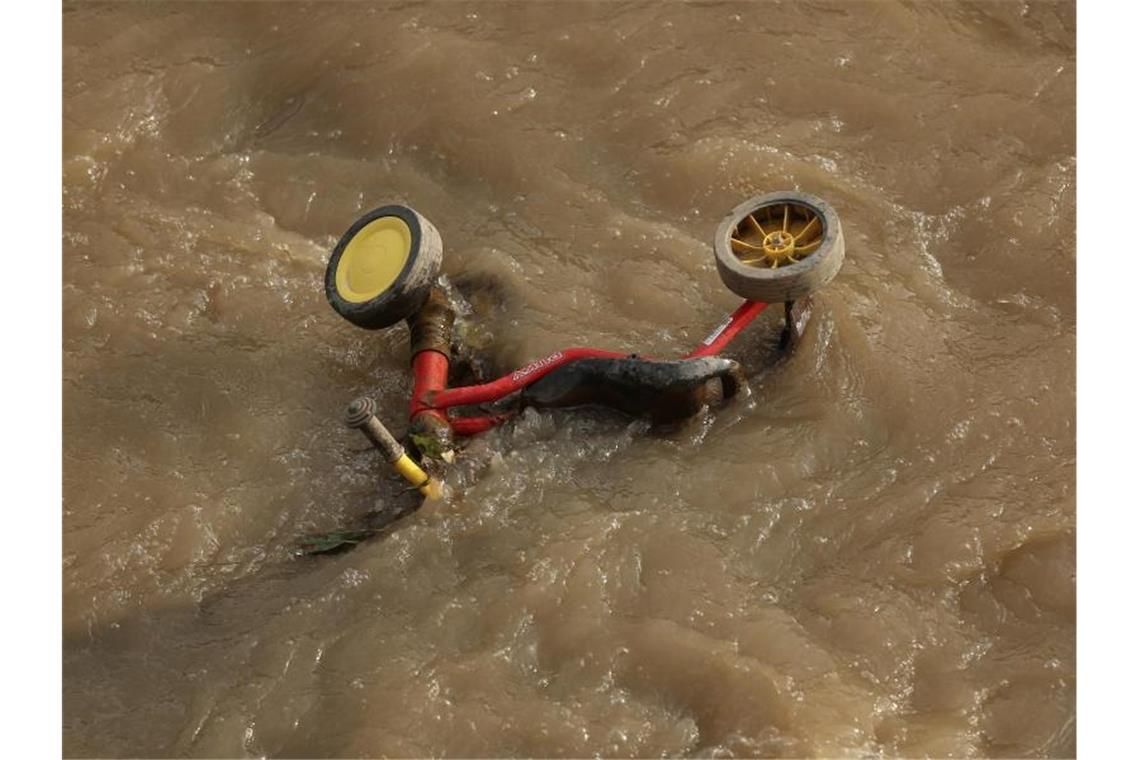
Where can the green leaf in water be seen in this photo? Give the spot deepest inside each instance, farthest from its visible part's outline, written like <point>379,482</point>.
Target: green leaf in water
<point>431,448</point>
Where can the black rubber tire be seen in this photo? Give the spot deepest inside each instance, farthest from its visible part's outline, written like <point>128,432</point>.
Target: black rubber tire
<point>412,286</point>
<point>789,282</point>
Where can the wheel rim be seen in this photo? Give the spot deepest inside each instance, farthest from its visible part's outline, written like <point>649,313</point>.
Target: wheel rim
<point>373,259</point>
<point>777,234</point>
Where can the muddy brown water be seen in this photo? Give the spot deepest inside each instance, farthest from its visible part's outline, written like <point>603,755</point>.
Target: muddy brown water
<point>873,554</point>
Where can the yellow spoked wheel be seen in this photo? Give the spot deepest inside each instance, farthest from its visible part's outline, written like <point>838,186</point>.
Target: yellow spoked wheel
<point>779,247</point>
<point>383,267</point>
<point>789,232</point>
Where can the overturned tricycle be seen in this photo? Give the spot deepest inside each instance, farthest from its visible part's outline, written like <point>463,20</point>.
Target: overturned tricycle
<point>774,248</point>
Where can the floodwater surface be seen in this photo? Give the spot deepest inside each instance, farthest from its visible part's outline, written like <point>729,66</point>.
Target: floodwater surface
<point>870,554</point>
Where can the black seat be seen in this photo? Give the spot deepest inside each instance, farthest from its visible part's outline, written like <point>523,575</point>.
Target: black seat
<point>664,391</point>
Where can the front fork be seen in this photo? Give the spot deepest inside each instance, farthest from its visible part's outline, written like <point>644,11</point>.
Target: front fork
<point>430,329</point>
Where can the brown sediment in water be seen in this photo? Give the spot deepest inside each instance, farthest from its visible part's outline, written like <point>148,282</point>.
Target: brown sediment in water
<point>874,553</point>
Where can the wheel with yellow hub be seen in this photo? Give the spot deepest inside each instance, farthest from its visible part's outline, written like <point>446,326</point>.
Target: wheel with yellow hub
<point>779,247</point>
<point>383,268</point>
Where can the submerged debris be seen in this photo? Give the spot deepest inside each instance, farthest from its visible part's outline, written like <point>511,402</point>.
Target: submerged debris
<point>333,542</point>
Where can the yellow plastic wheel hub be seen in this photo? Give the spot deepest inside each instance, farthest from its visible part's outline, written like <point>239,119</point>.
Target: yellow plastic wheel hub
<point>373,259</point>
<point>777,235</point>
<point>779,245</point>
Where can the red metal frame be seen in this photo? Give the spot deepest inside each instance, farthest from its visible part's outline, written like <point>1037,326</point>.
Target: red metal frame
<point>429,371</point>
<point>430,394</point>
<point>729,329</point>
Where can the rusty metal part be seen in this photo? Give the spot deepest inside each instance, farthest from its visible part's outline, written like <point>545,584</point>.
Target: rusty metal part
<point>664,391</point>
<point>431,325</point>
